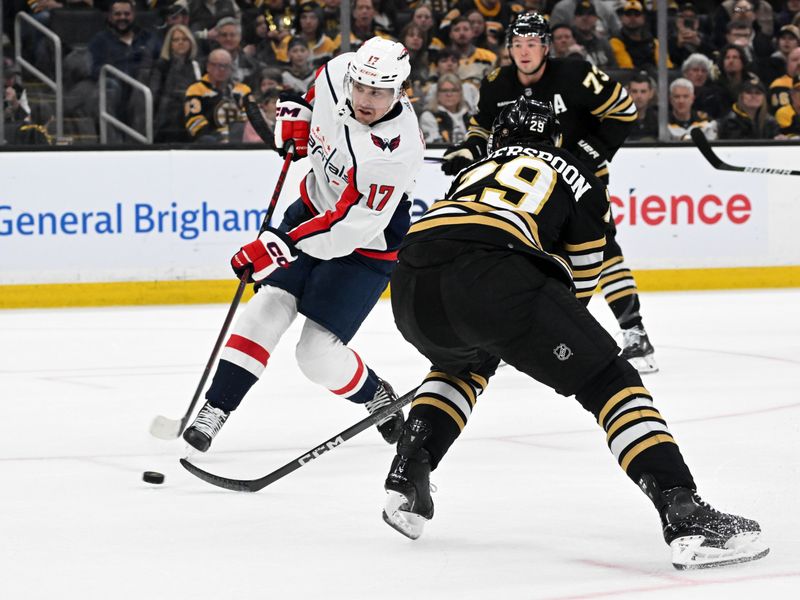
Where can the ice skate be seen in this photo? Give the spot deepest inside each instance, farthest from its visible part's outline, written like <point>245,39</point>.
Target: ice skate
<point>390,426</point>
<point>408,496</point>
<point>702,537</point>
<point>637,350</point>
<point>205,426</point>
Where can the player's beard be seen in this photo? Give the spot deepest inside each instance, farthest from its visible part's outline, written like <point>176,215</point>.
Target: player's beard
<point>123,27</point>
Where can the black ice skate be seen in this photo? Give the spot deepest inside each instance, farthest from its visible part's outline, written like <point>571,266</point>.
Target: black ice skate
<point>700,536</point>
<point>637,350</point>
<point>391,426</point>
<point>206,425</point>
<point>408,495</point>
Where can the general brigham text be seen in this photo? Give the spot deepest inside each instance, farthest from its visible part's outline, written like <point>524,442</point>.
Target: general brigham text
<point>138,218</point>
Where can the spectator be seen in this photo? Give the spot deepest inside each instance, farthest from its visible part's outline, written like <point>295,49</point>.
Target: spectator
<point>205,15</point>
<point>779,88</point>
<point>756,13</point>
<point>584,27</point>
<point>267,105</point>
<point>682,117</point>
<point>686,38</point>
<point>635,47</point>
<point>788,39</point>
<point>229,37</point>
<point>468,53</point>
<point>330,18</point>
<point>363,25</point>
<point>177,13</point>
<point>749,118</point>
<point>299,74</point>
<point>789,10</point>
<point>734,69</point>
<point>266,46</point>
<point>413,38</point>
<point>269,79</point>
<point>447,62</point>
<point>310,24</point>
<point>446,117</point>
<point>498,15</point>
<point>16,109</point>
<point>214,106</point>
<point>131,50</point>
<point>175,71</point>
<point>788,117</point>
<point>709,97</point>
<point>757,46</point>
<point>123,45</point>
<point>485,34</point>
<point>564,44</point>
<point>642,91</point>
<point>607,24</point>
<point>424,19</point>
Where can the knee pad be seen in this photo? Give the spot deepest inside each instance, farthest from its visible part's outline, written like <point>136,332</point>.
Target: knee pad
<point>259,328</point>
<point>325,360</point>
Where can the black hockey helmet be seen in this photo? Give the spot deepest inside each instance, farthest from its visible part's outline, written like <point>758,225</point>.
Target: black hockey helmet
<point>529,24</point>
<point>527,120</point>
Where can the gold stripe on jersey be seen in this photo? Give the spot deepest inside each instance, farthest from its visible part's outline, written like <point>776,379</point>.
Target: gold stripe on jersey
<point>454,396</point>
<point>606,279</point>
<point>619,106</point>
<point>631,417</point>
<point>631,454</point>
<point>586,245</point>
<point>614,297</point>
<point>632,424</point>
<point>487,220</point>
<point>601,172</point>
<point>624,395</point>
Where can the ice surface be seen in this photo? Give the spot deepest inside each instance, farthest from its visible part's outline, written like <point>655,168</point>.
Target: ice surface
<point>530,502</point>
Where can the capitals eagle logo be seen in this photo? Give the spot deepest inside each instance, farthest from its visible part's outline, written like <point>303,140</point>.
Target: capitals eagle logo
<point>384,144</point>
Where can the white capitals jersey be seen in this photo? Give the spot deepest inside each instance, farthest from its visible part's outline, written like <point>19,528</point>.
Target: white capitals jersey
<point>361,175</point>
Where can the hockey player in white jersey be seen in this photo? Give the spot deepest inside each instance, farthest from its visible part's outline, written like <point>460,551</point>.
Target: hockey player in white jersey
<point>331,257</point>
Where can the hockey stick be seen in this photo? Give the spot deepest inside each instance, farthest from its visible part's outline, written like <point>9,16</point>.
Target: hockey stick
<point>257,120</point>
<point>169,429</point>
<point>701,141</point>
<point>253,485</point>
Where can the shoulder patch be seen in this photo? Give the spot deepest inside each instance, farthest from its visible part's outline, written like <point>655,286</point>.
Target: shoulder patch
<point>493,75</point>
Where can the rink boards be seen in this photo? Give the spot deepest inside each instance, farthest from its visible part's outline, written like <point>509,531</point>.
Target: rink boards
<point>140,227</point>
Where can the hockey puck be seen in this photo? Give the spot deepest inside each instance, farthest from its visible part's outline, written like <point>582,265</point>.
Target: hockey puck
<point>153,477</point>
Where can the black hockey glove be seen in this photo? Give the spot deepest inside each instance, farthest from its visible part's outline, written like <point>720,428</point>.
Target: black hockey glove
<point>463,155</point>
<point>591,152</point>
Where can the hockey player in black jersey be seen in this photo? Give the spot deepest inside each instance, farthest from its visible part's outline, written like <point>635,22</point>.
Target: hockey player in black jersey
<point>502,269</point>
<point>596,115</point>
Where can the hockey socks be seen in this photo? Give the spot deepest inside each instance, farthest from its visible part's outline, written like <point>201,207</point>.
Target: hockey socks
<point>636,433</point>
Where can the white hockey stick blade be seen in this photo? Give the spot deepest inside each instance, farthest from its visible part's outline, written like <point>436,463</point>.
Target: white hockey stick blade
<point>165,429</point>
<point>690,553</point>
<point>408,523</point>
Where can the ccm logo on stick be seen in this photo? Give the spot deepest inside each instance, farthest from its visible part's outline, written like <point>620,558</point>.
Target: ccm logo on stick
<point>315,453</point>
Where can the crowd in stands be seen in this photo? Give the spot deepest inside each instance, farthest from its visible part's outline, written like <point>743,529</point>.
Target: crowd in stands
<point>734,65</point>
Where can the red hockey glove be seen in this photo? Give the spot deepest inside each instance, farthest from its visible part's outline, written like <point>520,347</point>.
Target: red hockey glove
<point>272,249</point>
<point>292,124</point>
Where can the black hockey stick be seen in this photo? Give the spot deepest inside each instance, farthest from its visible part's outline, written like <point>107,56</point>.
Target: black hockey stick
<point>169,429</point>
<point>257,120</point>
<point>253,485</point>
<point>701,141</point>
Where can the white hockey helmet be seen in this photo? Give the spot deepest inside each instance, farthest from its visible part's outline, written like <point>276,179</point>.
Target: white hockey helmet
<point>379,63</point>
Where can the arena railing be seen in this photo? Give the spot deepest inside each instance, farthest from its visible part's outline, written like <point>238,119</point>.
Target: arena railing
<point>56,84</point>
<point>107,118</point>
